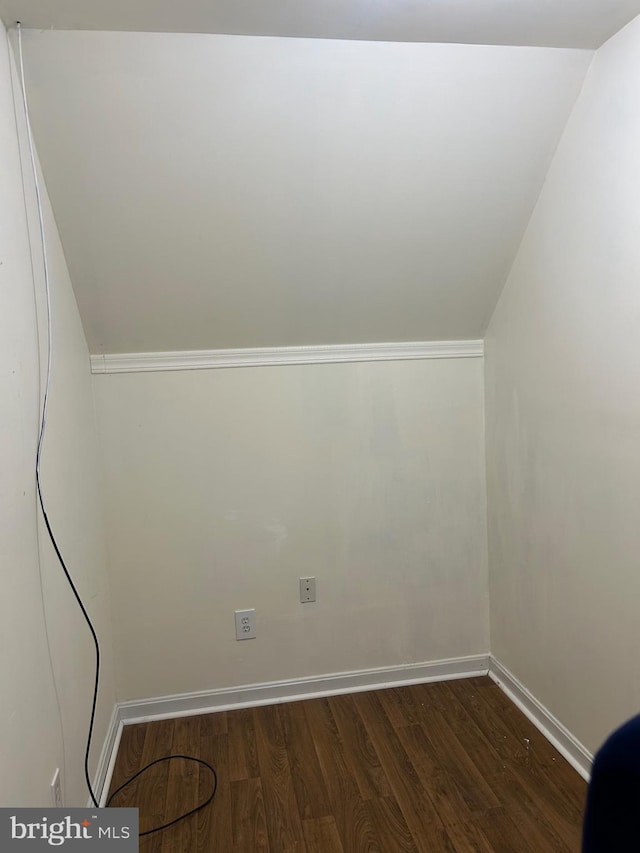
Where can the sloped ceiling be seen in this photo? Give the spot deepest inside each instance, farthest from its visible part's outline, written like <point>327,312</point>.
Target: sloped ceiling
<point>550,23</point>
<point>219,191</point>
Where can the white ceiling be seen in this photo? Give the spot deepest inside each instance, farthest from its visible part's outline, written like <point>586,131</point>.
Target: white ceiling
<point>221,191</point>
<point>224,191</point>
<point>553,23</point>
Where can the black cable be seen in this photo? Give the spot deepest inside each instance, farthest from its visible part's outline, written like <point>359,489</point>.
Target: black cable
<point>182,816</point>
<point>96,684</point>
<point>96,681</point>
<point>43,424</point>
<point>41,435</point>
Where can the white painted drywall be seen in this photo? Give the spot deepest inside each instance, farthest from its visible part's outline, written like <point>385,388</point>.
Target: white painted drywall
<point>223,487</point>
<point>30,733</point>
<point>563,418</point>
<point>227,191</point>
<point>570,23</point>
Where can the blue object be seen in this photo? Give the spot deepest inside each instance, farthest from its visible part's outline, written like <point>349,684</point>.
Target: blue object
<point>611,822</point>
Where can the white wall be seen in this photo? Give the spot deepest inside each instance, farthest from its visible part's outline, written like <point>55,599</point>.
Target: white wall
<point>31,737</point>
<point>563,418</point>
<point>223,487</point>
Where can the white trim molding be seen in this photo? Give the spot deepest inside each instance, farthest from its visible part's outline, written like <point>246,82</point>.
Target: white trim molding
<point>107,759</point>
<point>272,693</point>
<point>146,362</point>
<point>558,735</point>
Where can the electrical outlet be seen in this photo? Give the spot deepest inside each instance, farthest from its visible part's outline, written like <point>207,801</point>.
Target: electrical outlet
<point>307,590</point>
<point>56,790</point>
<point>245,624</point>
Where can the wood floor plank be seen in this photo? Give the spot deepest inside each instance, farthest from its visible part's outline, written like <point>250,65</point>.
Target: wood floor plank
<point>555,786</point>
<point>513,788</point>
<point>465,728</point>
<point>532,742</point>
<point>505,834</point>
<point>248,820</point>
<point>213,823</point>
<point>390,826</point>
<point>450,767</point>
<point>214,724</point>
<point>411,796</point>
<point>454,760</point>
<point>418,746</point>
<point>349,810</point>
<point>359,753</point>
<point>308,782</point>
<point>243,754</point>
<point>399,705</point>
<point>468,838</point>
<point>448,800</point>
<point>532,819</point>
<point>152,788</point>
<point>443,784</point>
<point>321,835</point>
<point>284,826</point>
<point>513,749</point>
<point>183,783</point>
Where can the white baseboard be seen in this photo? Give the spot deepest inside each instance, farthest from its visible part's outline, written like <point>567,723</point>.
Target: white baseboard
<point>271,693</point>
<point>567,744</point>
<point>106,782</point>
<point>107,759</point>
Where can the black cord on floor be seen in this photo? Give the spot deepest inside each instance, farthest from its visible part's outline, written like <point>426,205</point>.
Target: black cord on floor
<point>182,816</point>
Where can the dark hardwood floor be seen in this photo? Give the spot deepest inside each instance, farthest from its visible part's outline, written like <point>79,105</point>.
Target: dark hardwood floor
<point>450,766</point>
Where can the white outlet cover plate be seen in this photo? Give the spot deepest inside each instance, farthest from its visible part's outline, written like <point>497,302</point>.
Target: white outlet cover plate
<point>245,624</point>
